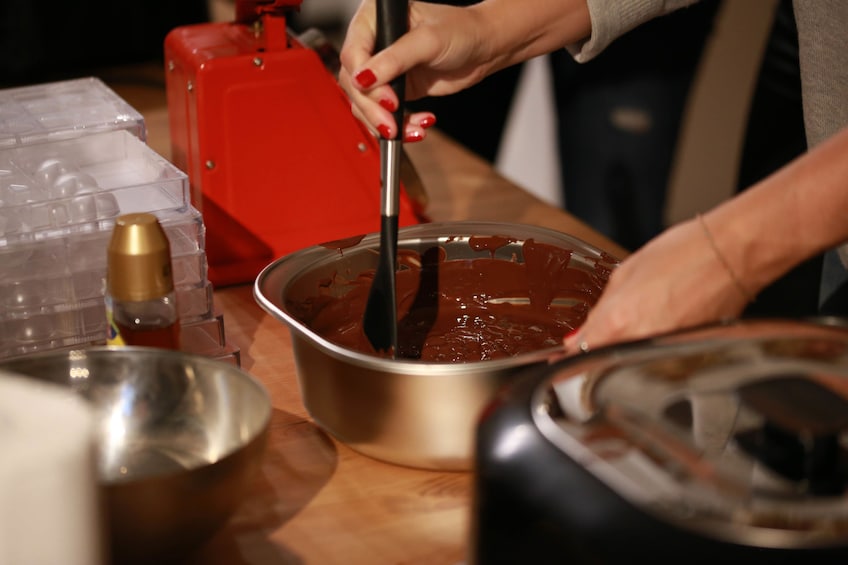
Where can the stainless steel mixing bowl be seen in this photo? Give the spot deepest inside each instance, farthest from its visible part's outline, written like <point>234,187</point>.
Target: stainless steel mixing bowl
<point>178,438</point>
<point>408,412</point>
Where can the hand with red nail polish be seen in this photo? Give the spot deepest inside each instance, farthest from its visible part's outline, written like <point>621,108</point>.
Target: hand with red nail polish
<point>388,104</point>
<point>385,131</point>
<point>415,128</point>
<point>413,136</point>
<point>427,121</point>
<point>449,48</point>
<point>365,78</point>
<point>572,342</point>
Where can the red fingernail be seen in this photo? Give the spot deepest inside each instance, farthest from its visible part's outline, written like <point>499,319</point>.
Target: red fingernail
<point>365,78</point>
<point>385,131</point>
<point>388,104</point>
<point>413,136</point>
<point>572,333</point>
<point>427,121</point>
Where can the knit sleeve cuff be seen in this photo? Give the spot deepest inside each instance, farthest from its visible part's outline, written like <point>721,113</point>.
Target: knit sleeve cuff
<point>613,18</point>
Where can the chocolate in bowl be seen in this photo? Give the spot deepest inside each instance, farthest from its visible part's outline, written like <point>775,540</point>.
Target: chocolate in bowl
<point>468,308</point>
<point>421,408</point>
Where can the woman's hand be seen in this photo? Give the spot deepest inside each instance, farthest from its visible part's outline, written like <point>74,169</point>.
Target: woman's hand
<point>442,53</point>
<point>448,49</point>
<point>706,269</point>
<point>675,281</point>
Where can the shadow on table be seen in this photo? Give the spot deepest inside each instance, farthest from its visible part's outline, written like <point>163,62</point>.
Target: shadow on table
<point>299,460</point>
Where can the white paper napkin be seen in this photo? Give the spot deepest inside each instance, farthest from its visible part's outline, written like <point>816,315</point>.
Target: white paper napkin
<point>49,509</point>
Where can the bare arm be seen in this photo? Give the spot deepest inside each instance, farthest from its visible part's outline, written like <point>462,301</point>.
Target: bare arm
<point>677,280</point>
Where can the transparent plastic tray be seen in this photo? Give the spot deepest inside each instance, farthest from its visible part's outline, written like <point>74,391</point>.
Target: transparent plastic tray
<point>41,327</point>
<point>41,330</point>
<point>64,109</point>
<point>195,303</point>
<point>73,159</point>
<point>53,189</point>
<point>52,291</point>
<point>71,268</point>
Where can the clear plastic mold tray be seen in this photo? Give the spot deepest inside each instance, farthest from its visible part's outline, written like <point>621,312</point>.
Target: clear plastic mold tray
<point>52,290</point>
<point>72,159</point>
<point>64,109</point>
<point>53,189</point>
<point>84,323</point>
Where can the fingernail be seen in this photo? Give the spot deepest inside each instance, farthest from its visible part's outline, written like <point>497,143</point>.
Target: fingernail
<point>427,121</point>
<point>388,104</point>
<point>572,333</point>
<point>385,131</point>
<point>365,78</point>
<point>413,136</point>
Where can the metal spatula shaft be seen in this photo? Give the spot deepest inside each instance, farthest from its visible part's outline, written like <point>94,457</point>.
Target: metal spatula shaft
<point>380,319</point>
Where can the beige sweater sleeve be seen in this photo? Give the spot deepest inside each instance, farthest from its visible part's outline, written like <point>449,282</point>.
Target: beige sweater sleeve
<point>613,18</point>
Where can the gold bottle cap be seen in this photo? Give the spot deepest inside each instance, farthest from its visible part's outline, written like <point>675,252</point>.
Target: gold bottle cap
<point>139,259</point>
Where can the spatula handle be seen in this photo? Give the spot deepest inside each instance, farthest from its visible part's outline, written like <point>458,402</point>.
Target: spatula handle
<point>392,23</point>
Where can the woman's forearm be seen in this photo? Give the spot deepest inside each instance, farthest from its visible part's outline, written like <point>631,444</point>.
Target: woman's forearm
<point>792,215</point>
<point>523,29</point>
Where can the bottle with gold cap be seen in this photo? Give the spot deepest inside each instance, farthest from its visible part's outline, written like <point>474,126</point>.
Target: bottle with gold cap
<point>140,297</point>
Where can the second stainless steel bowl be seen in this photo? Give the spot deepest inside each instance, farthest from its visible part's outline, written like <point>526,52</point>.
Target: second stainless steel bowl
<point>178,438</point>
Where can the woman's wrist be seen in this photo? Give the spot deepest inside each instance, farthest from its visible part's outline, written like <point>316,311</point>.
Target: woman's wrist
<point>518,30</point>
<point>754,233</point>
<point>728,268</point>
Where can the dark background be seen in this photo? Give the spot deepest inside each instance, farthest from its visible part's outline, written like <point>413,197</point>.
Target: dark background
<point>43,40</point>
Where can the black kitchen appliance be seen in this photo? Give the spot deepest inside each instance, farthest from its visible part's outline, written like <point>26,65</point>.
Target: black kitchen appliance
<point>723,442</point>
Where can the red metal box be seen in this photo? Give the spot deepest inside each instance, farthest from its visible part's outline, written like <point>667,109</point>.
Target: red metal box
<point>274,156</point>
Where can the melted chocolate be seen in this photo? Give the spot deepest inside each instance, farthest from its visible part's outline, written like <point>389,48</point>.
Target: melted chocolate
<point>463,310</point>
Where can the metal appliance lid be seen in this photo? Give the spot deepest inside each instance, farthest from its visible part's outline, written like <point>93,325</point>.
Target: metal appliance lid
<point>737,430</point>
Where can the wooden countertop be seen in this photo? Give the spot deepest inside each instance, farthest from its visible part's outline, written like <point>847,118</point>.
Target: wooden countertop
<point>316,501</point>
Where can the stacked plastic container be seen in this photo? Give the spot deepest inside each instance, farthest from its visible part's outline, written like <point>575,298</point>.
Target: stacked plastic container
<point>72,159</point>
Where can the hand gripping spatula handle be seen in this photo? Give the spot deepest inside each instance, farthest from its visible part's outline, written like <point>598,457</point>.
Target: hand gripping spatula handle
<point>380,320</point>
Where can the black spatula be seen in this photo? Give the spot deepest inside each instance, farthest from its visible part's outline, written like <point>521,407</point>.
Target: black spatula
<point>380,320</point>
